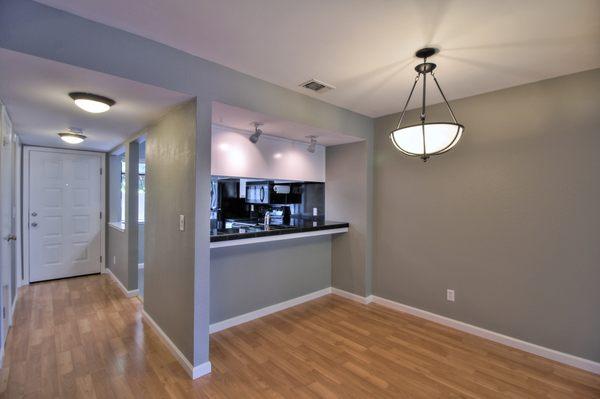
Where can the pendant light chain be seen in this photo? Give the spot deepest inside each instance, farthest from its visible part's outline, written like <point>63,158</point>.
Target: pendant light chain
<point>444,97</point>
<point>424,157</point>
<point>408,100</point>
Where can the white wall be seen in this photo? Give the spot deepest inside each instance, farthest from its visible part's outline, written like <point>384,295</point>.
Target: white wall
<point>271,158</point>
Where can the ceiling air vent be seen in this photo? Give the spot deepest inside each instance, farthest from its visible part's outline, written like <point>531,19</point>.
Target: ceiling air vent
<point>317,85</point>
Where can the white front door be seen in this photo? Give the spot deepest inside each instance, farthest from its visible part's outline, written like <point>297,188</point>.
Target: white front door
<point>65,230</point>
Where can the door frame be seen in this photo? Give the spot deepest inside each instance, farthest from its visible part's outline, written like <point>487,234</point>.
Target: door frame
<point>27,149</point>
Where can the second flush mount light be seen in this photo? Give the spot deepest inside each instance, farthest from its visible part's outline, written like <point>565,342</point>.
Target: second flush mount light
<point>72,136</point>
<point>426,138</point>
<point>92,102</point>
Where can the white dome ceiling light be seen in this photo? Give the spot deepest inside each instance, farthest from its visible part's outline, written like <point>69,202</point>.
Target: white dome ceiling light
<point>72,136</point>
<point>426,138</point>
<point>92,102</point>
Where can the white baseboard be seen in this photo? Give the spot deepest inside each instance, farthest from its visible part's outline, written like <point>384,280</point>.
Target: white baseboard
<point>234,321</point>
<point>130,293</point>
<point>561,357</point>
<point>194,372</point>
<point>354,297</point>
<point>12,309</point>
<point>547,353</point>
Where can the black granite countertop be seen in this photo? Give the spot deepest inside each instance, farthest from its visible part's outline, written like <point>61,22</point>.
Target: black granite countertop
<point>258,230</point>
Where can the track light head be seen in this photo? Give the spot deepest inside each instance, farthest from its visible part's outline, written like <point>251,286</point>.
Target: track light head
<point>257,132</point>
<point>313,144</point>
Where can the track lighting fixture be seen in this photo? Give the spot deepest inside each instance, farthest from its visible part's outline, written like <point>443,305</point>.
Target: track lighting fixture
<point>257,132</point>
<point>313,144</point>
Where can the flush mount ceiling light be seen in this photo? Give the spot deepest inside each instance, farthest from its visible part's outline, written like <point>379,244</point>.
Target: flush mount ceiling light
<point>72,136</point>
<point>426,138</point>
<point>257,132</point>
<point>92,102</point>
<point>313,144</point>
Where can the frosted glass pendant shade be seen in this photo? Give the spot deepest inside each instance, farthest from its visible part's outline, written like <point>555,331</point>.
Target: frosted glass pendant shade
<point>427,139</point>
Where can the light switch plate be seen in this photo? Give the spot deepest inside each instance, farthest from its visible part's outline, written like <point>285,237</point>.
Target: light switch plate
<point>450,295</point>
<point>181,223</point>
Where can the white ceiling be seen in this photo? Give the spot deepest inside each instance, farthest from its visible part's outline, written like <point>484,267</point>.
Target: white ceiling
<point>224,115</point>
<point>365,48</point>
<point>35,92</point>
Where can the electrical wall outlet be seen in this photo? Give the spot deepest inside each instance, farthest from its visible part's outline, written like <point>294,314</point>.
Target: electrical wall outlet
<point>181,222</point>
<point>114,260</point>
<point>450,295</point>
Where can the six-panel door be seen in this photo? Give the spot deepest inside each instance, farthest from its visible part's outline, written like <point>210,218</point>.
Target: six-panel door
<point>64,214</point>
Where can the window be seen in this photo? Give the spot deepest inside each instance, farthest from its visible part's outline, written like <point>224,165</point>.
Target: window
<point>117,189</point>
<point>142,192</point>
<point>123,188</point>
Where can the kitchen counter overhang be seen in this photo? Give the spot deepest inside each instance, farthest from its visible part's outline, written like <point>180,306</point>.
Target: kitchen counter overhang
<point>228,237</point>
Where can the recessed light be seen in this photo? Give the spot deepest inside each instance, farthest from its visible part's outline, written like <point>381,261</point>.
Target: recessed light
<point>72,136</point>
<point>92,102</point>
<point>277,155</point>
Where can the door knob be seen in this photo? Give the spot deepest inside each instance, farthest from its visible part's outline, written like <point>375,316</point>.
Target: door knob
<point>11,237</point>
<point>34,224</point>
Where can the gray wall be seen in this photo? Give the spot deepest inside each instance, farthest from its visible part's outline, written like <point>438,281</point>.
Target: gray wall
<point>113,184</point>
<point>117,260</point>
<point>250,277</point>
<point>131,212</point>
<point>35,29</point>
<point>169,254</point>
<point>346,199</point>
<point>509,218</point>
<point>122,258</point>
<point>141,228</point>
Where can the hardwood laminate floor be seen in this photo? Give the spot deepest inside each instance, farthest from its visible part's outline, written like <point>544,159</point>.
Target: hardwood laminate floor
<point>82,338</point>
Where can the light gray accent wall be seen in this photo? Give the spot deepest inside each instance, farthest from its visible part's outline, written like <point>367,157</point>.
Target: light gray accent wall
<point>169,258</point>
<point>131,212</point>
<point>126,266</point>
<point>509,218</point>
<point>346,199</point>
<point>113,185</point>
<point>118,260</point>
<point>141,228</point>
<point>250,277</point>
<point>35,29</point>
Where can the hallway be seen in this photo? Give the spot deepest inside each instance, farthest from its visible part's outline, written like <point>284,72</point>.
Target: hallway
<point>82,338</point>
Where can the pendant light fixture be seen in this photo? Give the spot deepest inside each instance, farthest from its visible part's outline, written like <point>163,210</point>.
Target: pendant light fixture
<point>426,138</point>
